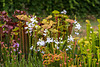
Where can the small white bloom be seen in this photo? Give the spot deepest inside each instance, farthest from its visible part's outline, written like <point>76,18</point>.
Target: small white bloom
<point>26,23</point>
<point>34,16</point>
<point>64,12</point>
<point>45,30</point>
<point>61,42</point>
<point>26,32</point>
<point>36,27</point>
<point>69,46</point>
<point>57,47</point>
<point>91,27</point>
<point>39,39</point>
<point>78,26</point>
<point>42,52</point>
<point>31,25</point>
<point>67,40</point>
<point>44,34</point>
<point>70,38</point>
<point>66,49</point>
<point>32,19</point>
<point>26,28</point>
<point>56,42</point>
<point>38,50</point>
<point>31,47</point>
<point>90,31</point>
<point>76,33</point>
<point>60,38</point>
<point>38,43</point>
<point>49,40</point>
<point>36,21</point>
<point>41,43</point>
<point>75,22</point>
<point>30,29</point>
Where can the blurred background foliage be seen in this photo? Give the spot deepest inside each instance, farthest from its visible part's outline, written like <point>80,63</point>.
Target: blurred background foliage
<point>82,8</point>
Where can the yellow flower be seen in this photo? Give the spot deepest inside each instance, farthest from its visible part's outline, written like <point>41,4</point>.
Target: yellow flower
<point>50,16</point>
<point>46,62</point>
<point>51,57</point>
<point>56,57</point>
<point>86,42</point>
<point>88,21</point>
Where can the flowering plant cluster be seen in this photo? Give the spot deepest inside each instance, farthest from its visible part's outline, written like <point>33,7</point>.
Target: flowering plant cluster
<point>48,41</point>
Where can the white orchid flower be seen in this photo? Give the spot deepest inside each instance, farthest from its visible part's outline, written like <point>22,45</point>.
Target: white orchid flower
<point>64,12</point>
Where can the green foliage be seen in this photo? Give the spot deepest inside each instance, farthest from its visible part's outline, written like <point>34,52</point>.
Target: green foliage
<point>44,7</point>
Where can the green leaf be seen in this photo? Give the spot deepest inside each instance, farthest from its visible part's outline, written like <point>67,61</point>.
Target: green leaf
<point>1,25</point>
<point>16,28</point>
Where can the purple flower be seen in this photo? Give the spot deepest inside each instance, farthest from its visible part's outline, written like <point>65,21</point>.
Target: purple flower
<point>16,44</point>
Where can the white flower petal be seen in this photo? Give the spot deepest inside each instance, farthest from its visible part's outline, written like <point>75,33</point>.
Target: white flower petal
<point>26,32</point>
<point>30,29</point>
<point>78,26</point>
<point>31,47</point>
<point>45,30</point>
<point>26,23</point>
<point>91,27</point>
<point>66,49</point>
<point>61,42</point>
<point>44,34</point>
<point>49,40</point>
<point>64,12</point>
<point>26,28</point>
<point>42,52</point>
<point>76,33</point>
<point>70,38</point>
<point>57,47</point>
<point>90,31</point>
<point>75,22</point>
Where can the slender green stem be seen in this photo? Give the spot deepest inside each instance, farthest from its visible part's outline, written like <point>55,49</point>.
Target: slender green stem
<point>99,34</point>
<point>88,31</point>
